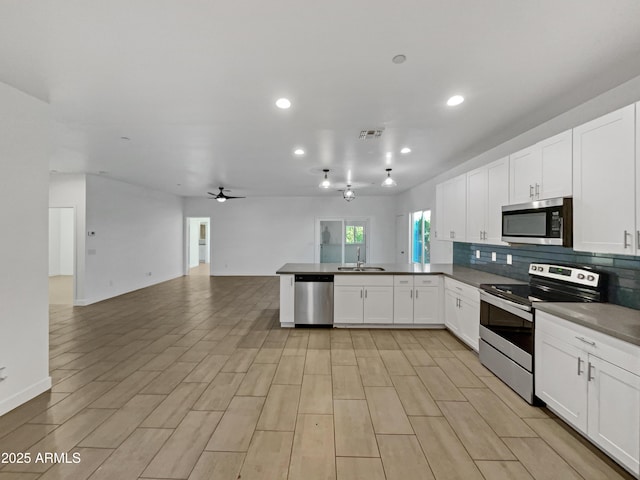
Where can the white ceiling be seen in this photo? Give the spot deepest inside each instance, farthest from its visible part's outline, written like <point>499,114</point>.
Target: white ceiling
<point>193,83</point>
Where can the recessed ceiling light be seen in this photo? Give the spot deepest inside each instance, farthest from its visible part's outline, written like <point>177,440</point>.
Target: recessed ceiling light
<point>405,150</point>
<point>283,103</point>
<point>455,100</point>
<point>298,151</point>
<point>399,59</point>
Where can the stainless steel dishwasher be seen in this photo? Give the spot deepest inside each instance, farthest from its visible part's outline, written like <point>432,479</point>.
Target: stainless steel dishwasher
<point>313,302</point>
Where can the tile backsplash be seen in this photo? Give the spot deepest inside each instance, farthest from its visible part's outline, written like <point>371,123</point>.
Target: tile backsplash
<point>623,270</point>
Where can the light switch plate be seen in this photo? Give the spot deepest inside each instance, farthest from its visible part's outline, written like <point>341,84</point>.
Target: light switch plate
<point>509,259</point>
<point>477,253</point>
<point>493,256</point>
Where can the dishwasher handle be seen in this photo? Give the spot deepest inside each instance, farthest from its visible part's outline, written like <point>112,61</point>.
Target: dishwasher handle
<point>314,278</point>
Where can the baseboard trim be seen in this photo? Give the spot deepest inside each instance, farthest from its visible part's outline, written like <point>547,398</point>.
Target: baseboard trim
<point>25,395</point>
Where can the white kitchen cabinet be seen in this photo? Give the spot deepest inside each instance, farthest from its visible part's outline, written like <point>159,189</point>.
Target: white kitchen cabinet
<point>541,171</point>
<point>487,192</point>
<point>287,296</point>
<point>363,299</point>
<point>592,381</point>
<point>454,206</point>
<point>462,311</point>
<point>403,299</point>
<point>427,300</point>
<point>604,184</point>
<point>440,227</point>
<point>378,304</point>
<point>417,299</point>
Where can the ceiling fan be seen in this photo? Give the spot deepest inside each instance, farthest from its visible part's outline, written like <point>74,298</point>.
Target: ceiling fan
<point>221,197</point>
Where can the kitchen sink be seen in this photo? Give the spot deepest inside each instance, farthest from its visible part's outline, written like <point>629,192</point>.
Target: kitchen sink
<point>361,269</point>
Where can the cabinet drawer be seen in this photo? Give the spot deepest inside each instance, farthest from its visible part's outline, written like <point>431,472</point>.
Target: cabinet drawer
<point>403,280</point>
<point>364,280</point>
<point>623,354</point>
<point>427,280</point>
<point>462,289</point>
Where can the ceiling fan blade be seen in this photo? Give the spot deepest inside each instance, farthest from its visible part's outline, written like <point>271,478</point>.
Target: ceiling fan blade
<point>227,196</point>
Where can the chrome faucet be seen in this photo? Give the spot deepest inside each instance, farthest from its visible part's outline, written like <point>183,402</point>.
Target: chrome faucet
<point>358,262</point>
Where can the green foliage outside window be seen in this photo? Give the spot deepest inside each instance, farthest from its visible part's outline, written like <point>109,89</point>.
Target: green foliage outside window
<point>354,234</point>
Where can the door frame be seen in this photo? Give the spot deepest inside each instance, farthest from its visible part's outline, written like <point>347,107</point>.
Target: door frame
<point>74,298</point>
<point>187,241</point>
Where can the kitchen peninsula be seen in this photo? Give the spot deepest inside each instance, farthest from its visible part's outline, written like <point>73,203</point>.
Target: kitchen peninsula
<point>396,296</point>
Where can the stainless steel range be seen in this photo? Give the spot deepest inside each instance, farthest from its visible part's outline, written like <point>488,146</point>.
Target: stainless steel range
<point>507,318</point>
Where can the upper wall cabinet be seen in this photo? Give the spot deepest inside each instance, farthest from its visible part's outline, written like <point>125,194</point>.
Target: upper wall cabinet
<point>454,205</point>
<point>604,184</point>
<point>487,192</point>
<point>542,170</point>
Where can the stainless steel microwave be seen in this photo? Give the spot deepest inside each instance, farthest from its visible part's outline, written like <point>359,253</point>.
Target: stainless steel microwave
<point>545,222</point>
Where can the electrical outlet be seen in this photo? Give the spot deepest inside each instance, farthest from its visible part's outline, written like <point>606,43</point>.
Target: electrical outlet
<point>493,256</point>
<point>3,373</point>
<point>477,253</point>
<point>509,259</point>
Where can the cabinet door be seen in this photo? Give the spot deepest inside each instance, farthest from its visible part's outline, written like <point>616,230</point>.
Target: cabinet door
<point>403,305</point>
<point>440,232</point>
<point>426,305</point>
<point>524,169</point>
<point>604,185</point>
<point>469,318</point>
<point>455,207</point>
<point>614,411</point>
<point>378,304</point>
<point>497,196</point>
<point>451,312</point>
<point>561,379</point>
<point>287,296</point>
<point>556,164</point>
<point>348,304</point>
<point>477,196</point>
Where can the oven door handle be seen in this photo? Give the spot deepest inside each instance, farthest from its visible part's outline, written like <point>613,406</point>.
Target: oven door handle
<point>522,311</point>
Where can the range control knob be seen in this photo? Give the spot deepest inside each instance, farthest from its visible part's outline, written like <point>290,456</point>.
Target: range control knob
<point>591,278</point>
<point>581,276</point>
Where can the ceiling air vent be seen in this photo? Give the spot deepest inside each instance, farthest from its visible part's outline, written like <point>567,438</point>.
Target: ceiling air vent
<point>370,134</point>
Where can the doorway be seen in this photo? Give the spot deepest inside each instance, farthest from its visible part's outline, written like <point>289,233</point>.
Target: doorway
<point>61,255</point>
<point>198,246</point>
<point>341,240</point>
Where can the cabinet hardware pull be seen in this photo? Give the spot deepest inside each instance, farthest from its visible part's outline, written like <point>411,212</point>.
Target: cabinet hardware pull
<point>582,339</point>
<point>291,279</point>
<point>410,293</point>
<point>638,239</point>
<point>365,293</point>
<point>416,293</point>
<point>481,238</point>
<point>360,293</point>
<point>530,191</point>
<point>626,245</point>
<point>579,365</point>
<point>589,377</point>
<point>484,234</point>
<point>537,190</point>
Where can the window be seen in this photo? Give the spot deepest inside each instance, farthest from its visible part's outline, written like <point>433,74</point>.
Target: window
<point>420,237</point>
<point>354,234</point>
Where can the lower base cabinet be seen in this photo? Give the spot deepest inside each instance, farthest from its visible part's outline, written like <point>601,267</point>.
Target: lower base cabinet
<point>592,381</point>
<point>363,299</point>
<point>462,311</point>
<point>417,300</point>
<point>287,296</point>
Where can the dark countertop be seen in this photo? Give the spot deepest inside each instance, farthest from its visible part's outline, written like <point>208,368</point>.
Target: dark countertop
<point>619,322</point>
<point>462,274</point>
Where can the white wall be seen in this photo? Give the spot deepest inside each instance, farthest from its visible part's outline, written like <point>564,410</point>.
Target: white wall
<point>69,190</point>
<point>256,236</point>
<point>138,238</point>
<point>61,249</point>
<point>423,195</point>
<point>24,301</point>
<point>194,246</point>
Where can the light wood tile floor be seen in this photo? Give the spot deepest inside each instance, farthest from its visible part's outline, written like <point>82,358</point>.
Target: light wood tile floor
<point>194,379</point>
